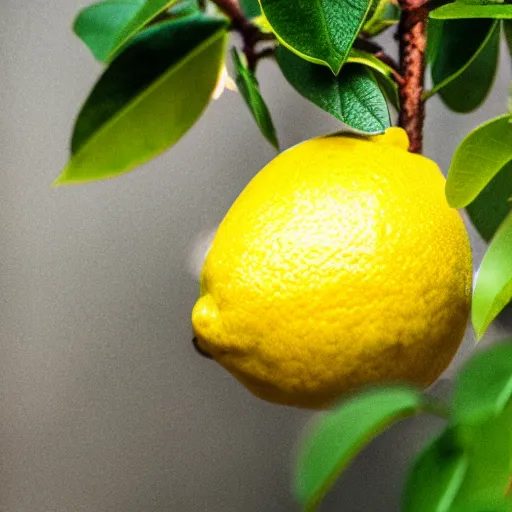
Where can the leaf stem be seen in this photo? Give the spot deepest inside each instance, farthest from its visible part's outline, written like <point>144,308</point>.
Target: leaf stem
<point>250,33</point>
<point>413,42</point>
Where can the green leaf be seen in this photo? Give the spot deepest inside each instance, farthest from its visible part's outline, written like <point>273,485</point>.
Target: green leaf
<point>185,8</point>
<point>250,91</point>
<point>251,8</point>
<point>477,159</point>
<point>464,69</point>
<point>340,434</point>
<point>493,204</point>
<point>383,75</point>
<point>434,35</point>
<point>484,385</point>
<point>320,31</point>
<point>147,99</point>
<point>436,476</point>
<point>386,15</point>
<point>488,446</point>
<point>353,97</point>
<point>507,28</point>
<point>463,10</point>
<point>106,26</point>
<point>466,468</point>
<point>493,287</point>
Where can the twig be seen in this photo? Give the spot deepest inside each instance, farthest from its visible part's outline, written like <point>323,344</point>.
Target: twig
<point>361,43</point>
<point>250,33</point>
<point>413,42</point>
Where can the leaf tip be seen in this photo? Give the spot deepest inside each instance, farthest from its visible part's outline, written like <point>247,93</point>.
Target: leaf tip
<point>60,180</point>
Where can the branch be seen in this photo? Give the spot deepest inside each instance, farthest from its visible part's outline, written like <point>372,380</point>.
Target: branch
<point>250,33</point>
<point>413,42</point>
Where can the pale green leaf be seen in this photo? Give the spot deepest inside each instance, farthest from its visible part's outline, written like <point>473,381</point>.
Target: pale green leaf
<point>151,94</point>
<point>337,437</point>
<point>320,31</point>
<point>477,159</point>
<point>463,10</point>
<point>385,15</point>
<point>106,26</point>
<point>250,91</point>
<point>493,287</point>
<point>353,96</point>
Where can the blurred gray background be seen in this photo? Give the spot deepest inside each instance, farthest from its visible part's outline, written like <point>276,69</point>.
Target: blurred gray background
<point>104,405</point>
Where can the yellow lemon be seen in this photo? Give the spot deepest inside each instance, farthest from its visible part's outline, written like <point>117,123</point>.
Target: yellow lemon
<point>340,265</point>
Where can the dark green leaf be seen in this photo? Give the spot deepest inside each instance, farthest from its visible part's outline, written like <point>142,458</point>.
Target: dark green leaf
<point>105,26</point>
<point>507,28</point>
<point>385,15</point>
<point>353,97</point>
<point>320,31</point>
<point>463,10</point>
<point>340,434</point>
<point>250,91</point>
<point>434,35</point>
<point>251,8</point>
<point>477,159</point>
<point>484,385</point>
<point>436,476</point>
<point>147,99</point>
<point>383,73</point>
<point>488,446</point>
<point>185,8</point>
<point>493,203</point>
<point>493,287</point>
<point>464,69</point>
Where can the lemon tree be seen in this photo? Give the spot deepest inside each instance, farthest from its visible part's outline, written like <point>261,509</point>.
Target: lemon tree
<point>341,278</point>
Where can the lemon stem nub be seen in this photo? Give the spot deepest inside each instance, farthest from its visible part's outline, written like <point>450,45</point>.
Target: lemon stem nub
<point>199,349</point>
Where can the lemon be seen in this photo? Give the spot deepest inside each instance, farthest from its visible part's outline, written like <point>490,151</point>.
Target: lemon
<point>340,265</point>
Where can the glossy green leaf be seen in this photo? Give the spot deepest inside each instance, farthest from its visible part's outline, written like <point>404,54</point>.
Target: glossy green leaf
<point>383,73</point>
<point>493,287</point>
<point>185,8</point>
<point>463,10</point>
<point>353,96</point>
<point>488,447</point>
<point>434,36</point>
<point>147,99</point>
<point>436,476</point>
<point>251,8</point>
<point>250,91</point>
<point>492,204</point>
<point>484,385</point>
<point>106,26</point>
<point>320,31</point>
<point>477,159</point>
<point>491,505</point>
<point>385,15</point>
<point>337,437</point>
<point>464,69</point>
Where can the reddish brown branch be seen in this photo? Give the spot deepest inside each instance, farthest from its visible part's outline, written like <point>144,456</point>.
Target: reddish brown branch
<point>250,33</point>
<point>413,43</point>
